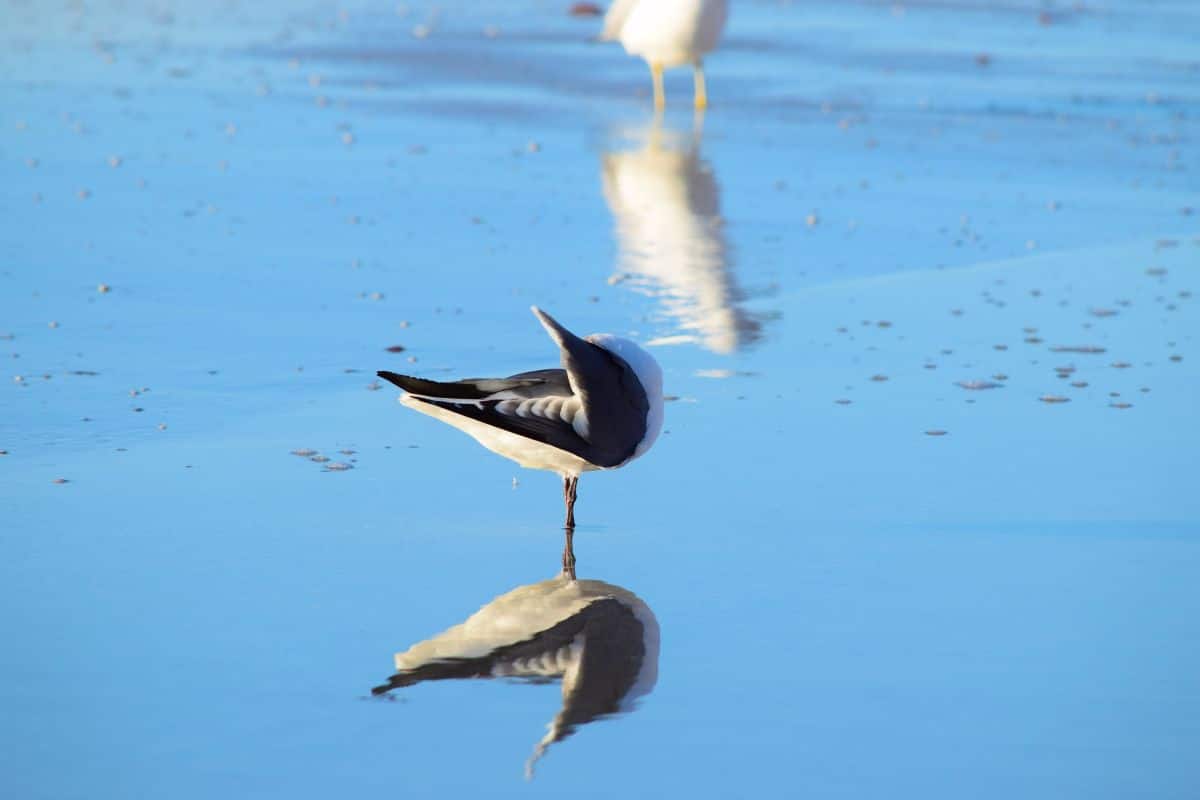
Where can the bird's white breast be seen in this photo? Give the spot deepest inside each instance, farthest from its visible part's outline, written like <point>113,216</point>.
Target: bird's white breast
<point>673,32</point>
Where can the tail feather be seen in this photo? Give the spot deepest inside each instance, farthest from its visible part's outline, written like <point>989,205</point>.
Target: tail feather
<point>440,670</point>
<point>469,389</point>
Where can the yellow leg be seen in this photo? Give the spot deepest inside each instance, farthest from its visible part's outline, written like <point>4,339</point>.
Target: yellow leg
<point>701,92</point>
<point>660,98</point>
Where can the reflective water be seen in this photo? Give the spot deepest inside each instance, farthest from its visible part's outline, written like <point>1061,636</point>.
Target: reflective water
<point>872,575</point>
<point>671,245</point>
<point>600,640</point>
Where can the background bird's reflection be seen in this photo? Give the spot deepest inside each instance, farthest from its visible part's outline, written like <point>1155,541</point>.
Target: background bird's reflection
<point>671,240</point>
<point>601,640</point>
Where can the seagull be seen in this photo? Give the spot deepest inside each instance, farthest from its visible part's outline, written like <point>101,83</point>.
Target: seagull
<point>603,409</point>
<point>668,33</point>
<point>601,640</point>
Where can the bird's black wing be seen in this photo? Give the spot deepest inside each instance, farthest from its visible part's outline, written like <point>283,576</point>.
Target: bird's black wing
<point>525,384</point>
<point>614,400</point>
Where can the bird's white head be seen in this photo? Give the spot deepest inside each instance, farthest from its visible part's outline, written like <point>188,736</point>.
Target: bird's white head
<point>648,373</point>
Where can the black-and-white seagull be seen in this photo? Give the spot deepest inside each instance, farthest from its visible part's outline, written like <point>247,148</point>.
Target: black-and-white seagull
<point>603,409</point>
<point>601,640</point>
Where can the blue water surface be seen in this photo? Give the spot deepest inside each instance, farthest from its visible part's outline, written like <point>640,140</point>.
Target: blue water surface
<point>923,519</point>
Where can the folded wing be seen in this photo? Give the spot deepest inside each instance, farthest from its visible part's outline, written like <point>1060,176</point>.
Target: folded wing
<point>538,405</point>
<point>614,401</point>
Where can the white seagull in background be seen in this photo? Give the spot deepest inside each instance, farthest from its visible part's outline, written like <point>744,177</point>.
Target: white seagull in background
<point>668,33</point>
<point>600,639</point>
<point>603,409</point>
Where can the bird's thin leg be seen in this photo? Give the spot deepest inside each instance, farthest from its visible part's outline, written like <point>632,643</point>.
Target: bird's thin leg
<point>569,499</point>
<point>698,78</point>
<point>570,523</point>
<point>568,560</point>
<point>568,556</point>
<point>660,97</point>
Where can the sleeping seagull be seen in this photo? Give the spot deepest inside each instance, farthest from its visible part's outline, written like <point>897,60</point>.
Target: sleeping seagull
<point>603,409</point>
<point>600,639</point>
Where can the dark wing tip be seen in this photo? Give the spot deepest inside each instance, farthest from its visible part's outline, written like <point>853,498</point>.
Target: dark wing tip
<point>392,377</point>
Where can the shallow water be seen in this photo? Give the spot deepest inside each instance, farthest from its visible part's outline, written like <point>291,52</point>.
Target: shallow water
<point>871,576</point>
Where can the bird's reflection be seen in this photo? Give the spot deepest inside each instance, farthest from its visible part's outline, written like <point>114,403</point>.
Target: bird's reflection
<point>601,640</point>
<point>671,238</point>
